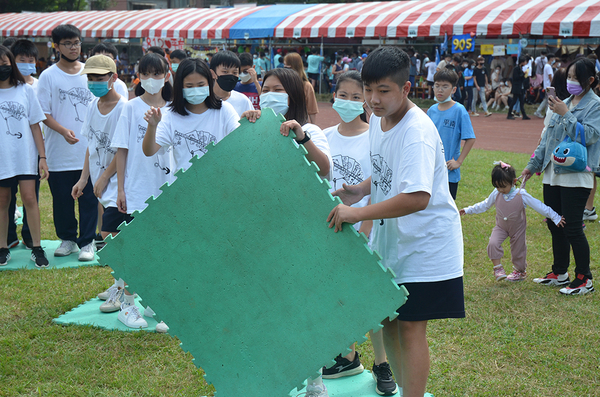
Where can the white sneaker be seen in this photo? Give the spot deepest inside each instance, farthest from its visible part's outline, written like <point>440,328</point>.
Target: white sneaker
<point>131,317</point>
<point>87,252</point>
<point>316,391</point>
<point>17,214</point>
<point>67,247</point>
<point>590,215</point>
<point>539,115</point>
<point>106,294</point>
<point>162,328</point>
<point>113,303</point>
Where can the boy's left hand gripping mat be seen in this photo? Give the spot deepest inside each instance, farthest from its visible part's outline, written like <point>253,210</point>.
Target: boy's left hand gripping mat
<point>237,258</point>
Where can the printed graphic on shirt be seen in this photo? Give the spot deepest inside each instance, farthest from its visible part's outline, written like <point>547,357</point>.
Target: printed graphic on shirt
<point>196,141</point>
<point>349,169</point>
<point>102,147</point>
<point>141,132</point>
<point>77,96</point>
<point>381,174</point>
<point>449,123</point>
<point>15,110</point>
<point>157,164</point>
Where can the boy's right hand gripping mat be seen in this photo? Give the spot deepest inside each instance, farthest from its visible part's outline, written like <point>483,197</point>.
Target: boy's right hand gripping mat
<point>237,258</point>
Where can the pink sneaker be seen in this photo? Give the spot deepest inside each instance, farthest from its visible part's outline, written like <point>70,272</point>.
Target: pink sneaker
<point>517,276</point>
<point>499,273</point>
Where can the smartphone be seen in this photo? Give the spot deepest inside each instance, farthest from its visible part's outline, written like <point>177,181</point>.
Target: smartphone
<point>551,92</point>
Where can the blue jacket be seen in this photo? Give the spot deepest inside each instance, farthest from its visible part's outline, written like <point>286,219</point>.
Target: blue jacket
<point>587,113</point>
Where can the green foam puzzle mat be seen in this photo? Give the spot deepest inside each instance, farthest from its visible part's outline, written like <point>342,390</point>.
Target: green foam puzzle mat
<point>238,259</point>
<point>89,313</point>
<point>361,385</point>
<point>20,258</point>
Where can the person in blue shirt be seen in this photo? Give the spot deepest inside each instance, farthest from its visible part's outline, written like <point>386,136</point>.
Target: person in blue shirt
<point>468,66</point>
<point>453,125</point>
<point>314,61</point>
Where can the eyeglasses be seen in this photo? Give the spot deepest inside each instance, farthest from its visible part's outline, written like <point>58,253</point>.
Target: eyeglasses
<point>441,87</point>
<point>68,44</point>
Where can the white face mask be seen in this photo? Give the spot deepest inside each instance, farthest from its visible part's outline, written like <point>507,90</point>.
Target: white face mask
<point>152,86</point>
<point>348,110</point>
<point>245,77</point>
<point>278,101</point>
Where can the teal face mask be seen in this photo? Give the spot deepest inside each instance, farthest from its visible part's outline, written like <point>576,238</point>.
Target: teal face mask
<point>348,110</point>
<point>196,95</point>
<point>174,66</point>
<point>98,88</point>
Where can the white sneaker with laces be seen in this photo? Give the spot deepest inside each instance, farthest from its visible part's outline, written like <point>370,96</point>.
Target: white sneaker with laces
<point>113,303</point>
<point>131,317</point>
<point>66,248</point>
<point>87,252</point>
<point>590,215</point>
<point>106,294</point>
<point>316,391</point>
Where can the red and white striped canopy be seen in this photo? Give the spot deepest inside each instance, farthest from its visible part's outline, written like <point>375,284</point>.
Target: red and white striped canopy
<point>577,18</point>
<point>191,23</point>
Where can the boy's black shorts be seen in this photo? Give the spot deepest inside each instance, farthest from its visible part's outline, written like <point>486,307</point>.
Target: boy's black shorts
<point>14,181</point>
<point>112,218</point>
<point>433,300</point>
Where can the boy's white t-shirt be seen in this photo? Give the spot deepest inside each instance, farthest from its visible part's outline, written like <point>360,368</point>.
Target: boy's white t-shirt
<point>320,141</point>
<point>189,135</point>
<point>99,130</point>
<point>65,97</point>
<point>121,88</point>
<point>240,102</point>
<point>20,109</point>
<point>351,161</point>
<point>143,175</point>
<point>425,246</point>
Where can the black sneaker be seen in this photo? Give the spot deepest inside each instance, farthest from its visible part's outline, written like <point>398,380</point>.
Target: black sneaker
<point>28,244</point>
<point>99,241</point>
<point>343,367</point>
<point>385,381</point>
<point>4,256</point>
<point>39,257</point>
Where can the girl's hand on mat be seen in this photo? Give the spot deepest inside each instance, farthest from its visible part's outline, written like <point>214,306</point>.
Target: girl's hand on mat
<point>251,115</point>
<point>70,137</point>
<point>340,214</point>
<point>43,169</point>
<point>153,116</point>
<point>349,194</point>
<point>77,190</point>
<point>292,125</point>
<point>121,202</point>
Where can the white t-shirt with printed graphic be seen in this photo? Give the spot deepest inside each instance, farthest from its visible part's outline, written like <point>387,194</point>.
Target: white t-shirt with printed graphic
<point>351,161</point>
<point>121,88</point>
<point>65,97</point>
<point>240,102</point>
<point>320,141</point>
<point>189,135</point>
<point>143,175</point>
<point>20,109</point>
<point>425,246</point>
<point>99,130</point>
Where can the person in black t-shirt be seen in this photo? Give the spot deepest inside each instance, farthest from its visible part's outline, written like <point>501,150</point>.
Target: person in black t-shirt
<point>480,75</point>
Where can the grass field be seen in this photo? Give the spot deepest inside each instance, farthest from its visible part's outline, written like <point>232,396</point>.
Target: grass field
<point>518,339</point>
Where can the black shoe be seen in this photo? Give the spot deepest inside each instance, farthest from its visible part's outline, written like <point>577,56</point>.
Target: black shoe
<point>526,118</point>
<point>4,256</point>
<point>343,367</point>
<point>99,241</point>
<point>39,257</point>
<point>385,381</point>
<point>510,117</point>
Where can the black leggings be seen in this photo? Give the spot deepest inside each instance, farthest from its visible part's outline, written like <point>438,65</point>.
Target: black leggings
<point>570,203</point>
<point>521,97</point>
<point>469,94</point>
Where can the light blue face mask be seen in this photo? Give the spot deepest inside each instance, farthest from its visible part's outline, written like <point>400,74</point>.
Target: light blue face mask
<point>278,101</point>
<point>174,66</point>
<point>348,110</point>
<point>26,69</point>
<point>445,100</point>
<point>98,88</point>
<point>196,95</point>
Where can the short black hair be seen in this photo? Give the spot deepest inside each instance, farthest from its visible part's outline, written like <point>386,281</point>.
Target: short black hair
<point>65,31</point>
<point>179,54</point>
<point>386,62</point>
<point>447,75</point>
<point>227,58</point>
<point>157,50</point>
<point>105,47</point>
<point>503,176</point>
<point>9,42</point>
<point>245,59</point>
<point>187,67</point>
<point>584,69</point>
<point>16,77</point>
<point>457,59</point>
<point>550,55</point>
<point>152,62</point>
<point>24,47</point>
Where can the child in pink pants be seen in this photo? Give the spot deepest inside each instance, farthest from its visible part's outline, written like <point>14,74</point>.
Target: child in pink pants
<point>511,220</point>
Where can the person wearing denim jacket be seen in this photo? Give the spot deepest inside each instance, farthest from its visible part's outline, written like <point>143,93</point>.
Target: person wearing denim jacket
<point>566,192</point>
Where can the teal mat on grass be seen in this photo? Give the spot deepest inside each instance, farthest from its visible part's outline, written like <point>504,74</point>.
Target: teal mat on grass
<point>89,314</point>
<point>20,258</point>
<point>361,385</point>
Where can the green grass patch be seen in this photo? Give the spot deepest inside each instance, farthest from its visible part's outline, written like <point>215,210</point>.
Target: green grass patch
<point>518,339</point>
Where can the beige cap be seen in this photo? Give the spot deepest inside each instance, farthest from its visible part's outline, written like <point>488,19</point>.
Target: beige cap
<point>99,64</point>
